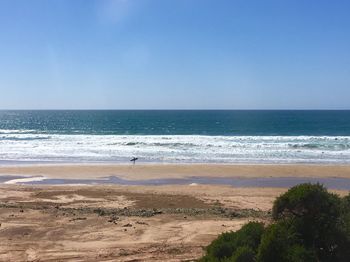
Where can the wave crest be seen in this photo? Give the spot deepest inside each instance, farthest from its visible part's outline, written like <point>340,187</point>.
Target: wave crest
<point>176,148</point>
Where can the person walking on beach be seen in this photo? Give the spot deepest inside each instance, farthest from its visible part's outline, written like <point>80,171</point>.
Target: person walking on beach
<point>134,160</point>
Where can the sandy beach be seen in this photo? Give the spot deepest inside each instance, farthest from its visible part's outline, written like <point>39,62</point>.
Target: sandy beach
<point>142,130</point>
<point>133,223</point>
<point>157,171</point>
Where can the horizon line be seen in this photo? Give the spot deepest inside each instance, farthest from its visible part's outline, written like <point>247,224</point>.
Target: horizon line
<point>178,109</point>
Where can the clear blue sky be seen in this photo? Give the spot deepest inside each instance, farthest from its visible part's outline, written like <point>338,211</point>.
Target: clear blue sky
<point>174,54</point>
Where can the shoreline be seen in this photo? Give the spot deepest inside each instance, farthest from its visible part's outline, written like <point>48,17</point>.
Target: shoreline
<point>15,163</point>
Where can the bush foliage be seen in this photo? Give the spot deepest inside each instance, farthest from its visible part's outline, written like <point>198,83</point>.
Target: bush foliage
<point>229,243</point>
<point>309,224</point>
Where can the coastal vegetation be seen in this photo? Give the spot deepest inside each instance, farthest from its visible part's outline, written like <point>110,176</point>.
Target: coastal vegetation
<point>309,224</point>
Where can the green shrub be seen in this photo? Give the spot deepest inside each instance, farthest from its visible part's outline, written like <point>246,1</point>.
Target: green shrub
<point>243,254</point>
<point>317,216</point>
<point>249,235</point>
<point>281,242</point>
<point>307,201</point>
<point>228,243</point>
<point>310,224</point>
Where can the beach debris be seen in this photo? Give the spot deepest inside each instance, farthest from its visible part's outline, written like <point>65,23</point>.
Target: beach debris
<point>141,223</point>
<point>127,225</point>
<point>113,219</point>
<point>100,211</point>
<point>217,202</point>
<point>77,218</point>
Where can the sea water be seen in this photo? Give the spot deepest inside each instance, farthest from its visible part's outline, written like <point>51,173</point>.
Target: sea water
<point>175,136</point>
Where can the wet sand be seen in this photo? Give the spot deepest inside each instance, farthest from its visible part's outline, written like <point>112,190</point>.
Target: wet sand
<point>133,222</point>
<point>170,171</point>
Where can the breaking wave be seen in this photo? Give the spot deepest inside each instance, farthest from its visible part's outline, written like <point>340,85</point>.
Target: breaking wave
<point>27,146</point>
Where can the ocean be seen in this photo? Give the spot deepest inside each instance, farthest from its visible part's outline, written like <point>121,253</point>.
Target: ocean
<point>175,136</point>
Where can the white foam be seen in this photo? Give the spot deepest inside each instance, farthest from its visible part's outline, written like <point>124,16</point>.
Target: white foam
<point>175,148</point>
<point>24,180</point>
<point>15,131</point>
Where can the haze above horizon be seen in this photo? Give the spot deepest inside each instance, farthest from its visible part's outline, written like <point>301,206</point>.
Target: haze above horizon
<point>184,54</point>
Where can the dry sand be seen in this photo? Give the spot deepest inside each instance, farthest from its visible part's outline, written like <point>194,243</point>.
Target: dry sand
<point>121,223</point>
<point>132,223</point>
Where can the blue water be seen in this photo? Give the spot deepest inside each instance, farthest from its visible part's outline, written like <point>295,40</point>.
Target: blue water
<point>180,122</point>
<point>329,182</point>
<point>175,136</point>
